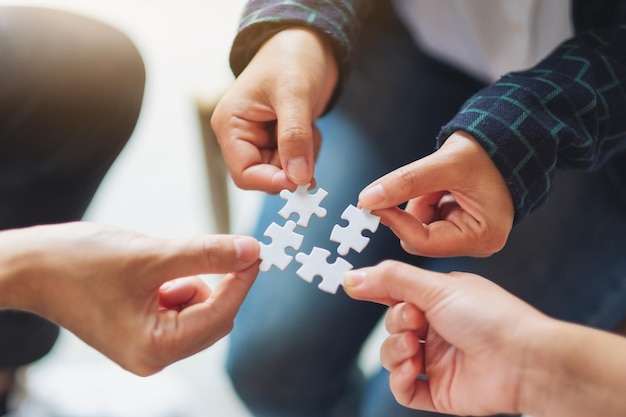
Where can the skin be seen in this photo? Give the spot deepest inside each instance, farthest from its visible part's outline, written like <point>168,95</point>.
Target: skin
<point>484,351</point>
<point>265,123</point>
<point>457,202</point>
<point>135,298</point>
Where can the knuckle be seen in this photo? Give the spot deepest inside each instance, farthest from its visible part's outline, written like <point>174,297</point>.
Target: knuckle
<point>293,133</point>
<point>214,253</point>
<point>142,367</point>
<point>406,179</point>
<point>389,267</point>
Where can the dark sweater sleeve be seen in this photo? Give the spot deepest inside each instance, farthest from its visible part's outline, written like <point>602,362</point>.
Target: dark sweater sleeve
<point>569,112</point>
<point>338,21</point>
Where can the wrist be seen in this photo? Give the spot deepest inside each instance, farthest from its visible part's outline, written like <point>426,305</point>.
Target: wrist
<point>311,55</point>
<point>16,290</point>
<point>542,370</point>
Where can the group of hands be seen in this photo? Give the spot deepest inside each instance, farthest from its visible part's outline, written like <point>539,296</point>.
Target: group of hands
<point>140,301</point>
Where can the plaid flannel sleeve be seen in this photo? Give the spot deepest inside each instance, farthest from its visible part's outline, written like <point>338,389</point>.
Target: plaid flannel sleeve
<point>567,112</point>
<point>338,21</point>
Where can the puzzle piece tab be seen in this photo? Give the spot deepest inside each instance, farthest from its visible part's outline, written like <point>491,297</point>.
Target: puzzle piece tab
<point>315,264</point>
<point>350,237</point>
<point>304,203</point>
<point>274,252</point>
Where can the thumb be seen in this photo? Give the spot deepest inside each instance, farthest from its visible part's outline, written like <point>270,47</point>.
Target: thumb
<point>424,176</point>
<point>212,254</point>
<point>391,282</point>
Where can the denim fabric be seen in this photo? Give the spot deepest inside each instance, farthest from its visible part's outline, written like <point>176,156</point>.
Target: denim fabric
<point>293,350</point>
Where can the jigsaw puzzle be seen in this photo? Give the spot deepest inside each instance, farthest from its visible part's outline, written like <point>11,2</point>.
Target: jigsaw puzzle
<point>350,237</point>
<point>316,264</point>
<point>303,203</point>
<point>274,252</point>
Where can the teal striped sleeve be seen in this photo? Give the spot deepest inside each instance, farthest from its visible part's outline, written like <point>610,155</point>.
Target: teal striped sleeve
<point>567,112</point>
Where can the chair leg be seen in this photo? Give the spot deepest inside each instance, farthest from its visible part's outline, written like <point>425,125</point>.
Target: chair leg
<point>216,168</point>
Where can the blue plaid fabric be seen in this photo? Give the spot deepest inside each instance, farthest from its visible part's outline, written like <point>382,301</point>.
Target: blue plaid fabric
<point>567,112</point>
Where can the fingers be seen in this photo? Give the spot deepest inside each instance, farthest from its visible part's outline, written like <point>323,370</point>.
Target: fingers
<point>460,158</point>
<point>399,348</point>
<point>203,324</point>
<point>404,317</point>
<point>424,176</point>
<point>458,203</point>
<point>213,254</point>
<point>180,293</point>
<point>265,123</point>
<point>391,282</point>
<point>457,235</point>
<point>408,389</point>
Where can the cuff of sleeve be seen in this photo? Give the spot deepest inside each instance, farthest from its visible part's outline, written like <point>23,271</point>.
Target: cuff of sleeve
<point>252,37</point>
<point>528,181</point>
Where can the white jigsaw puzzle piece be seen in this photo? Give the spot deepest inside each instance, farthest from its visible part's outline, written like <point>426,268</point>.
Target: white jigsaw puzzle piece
<point>316,264</point>
<point>304,203</point>
<point>350,237</point>
<point>274,252</point>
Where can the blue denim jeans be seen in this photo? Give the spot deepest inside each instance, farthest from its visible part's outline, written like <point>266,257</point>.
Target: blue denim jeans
<point>294,348</point>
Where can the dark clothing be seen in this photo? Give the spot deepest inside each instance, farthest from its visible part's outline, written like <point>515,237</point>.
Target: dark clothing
<point>70,96</point>
<point>566,259</point>
<point>567,112</point>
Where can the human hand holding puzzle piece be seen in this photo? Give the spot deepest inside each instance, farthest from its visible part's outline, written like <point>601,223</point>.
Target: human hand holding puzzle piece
<point>305,204</point>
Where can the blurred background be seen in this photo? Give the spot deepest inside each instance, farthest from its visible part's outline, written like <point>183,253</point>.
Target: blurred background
<point>160,185</point>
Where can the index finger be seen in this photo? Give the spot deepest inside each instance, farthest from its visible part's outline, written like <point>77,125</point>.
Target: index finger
<point>201,325</point>
<point>295,139</point>
<point>391,282</point>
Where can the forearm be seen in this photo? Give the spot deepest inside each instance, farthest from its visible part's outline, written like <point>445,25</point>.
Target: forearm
<point>575,371</point>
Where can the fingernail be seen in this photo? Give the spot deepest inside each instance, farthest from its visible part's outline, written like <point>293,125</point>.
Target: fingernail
<point>353,278</point>
<point>404,316</point>
<point>166,286</point>
<point>298,170</point>
<point>406,368</point>
<point>372,195</point>
<point>402,345</point>
<point>246,248</point>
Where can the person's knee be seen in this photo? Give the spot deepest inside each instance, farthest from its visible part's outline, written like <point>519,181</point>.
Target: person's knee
<point>86,77</point>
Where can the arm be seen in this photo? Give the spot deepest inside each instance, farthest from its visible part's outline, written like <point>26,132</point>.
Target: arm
<point>339,21</point>
<point>567,112</point>
<point>288,58</point>
<point>106,286</point>
<point>485,351</point>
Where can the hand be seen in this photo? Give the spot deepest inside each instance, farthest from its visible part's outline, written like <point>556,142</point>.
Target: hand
<point>458,202</point>
<point>265,123</point>
<point>113,288</point>
<point>477,338</point>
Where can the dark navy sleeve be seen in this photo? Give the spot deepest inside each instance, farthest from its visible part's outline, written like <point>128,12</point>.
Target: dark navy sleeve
<point>338,21</point>
<point>569,112</point>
